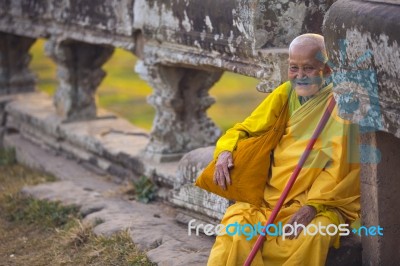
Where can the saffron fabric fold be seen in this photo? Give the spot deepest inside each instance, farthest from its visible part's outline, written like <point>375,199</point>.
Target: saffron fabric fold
<point>252,159</point>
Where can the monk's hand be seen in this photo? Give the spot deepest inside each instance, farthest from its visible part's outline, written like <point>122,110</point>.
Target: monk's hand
<point>221,174</point>
<point>303,216</point>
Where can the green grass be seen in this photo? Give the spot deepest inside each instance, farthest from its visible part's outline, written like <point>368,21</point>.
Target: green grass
<point>7,156</point>
<point>20,208</point>
<point>39,232</point>
<point>124,93</point>
<point>144,189</point>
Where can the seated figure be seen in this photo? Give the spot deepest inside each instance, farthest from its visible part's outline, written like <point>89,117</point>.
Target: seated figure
<point>327,190</point>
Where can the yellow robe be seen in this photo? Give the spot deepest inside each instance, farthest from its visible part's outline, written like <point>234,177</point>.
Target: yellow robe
<point>329,181</point>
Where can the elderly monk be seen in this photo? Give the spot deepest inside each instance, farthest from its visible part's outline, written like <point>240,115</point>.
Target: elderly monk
<point>327,189</point>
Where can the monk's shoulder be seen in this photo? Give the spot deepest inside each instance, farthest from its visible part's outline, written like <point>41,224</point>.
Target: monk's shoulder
<point>281,92</point>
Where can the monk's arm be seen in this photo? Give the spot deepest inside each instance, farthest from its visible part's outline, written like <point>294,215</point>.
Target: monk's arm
<point>260,120</point>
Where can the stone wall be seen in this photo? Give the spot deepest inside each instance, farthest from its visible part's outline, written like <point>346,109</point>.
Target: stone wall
<point>363,38</point>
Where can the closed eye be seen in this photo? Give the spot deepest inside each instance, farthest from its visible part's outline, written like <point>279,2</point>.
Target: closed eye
<point>308,69</point>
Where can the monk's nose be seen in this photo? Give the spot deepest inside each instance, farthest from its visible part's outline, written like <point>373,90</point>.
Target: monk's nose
<point>300,73</point>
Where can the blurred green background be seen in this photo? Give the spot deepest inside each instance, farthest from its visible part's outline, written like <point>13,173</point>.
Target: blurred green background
<point>124,93</point>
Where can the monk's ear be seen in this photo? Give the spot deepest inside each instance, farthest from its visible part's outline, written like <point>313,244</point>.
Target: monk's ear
<point>327,70</point>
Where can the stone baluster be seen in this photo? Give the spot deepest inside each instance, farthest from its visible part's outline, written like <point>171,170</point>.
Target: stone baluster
<point>379,198</point>
<point>15,76</point>
<point>79,73</point>
<point>181,99</point>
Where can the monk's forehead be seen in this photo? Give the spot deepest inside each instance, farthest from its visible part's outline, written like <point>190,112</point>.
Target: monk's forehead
<point>311,51</point>
<point>305,47</point>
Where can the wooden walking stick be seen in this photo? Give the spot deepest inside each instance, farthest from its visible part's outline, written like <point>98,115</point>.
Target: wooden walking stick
<point>292,179</point>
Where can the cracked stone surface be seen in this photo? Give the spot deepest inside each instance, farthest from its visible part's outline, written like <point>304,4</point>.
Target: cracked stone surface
<point>153,227</point>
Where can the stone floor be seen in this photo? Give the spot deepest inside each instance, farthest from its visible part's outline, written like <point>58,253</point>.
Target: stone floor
<point>153,227</point>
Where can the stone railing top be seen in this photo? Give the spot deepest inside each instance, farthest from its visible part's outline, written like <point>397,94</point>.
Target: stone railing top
<point>396,2</point>
<point>233,28</point>
<point>246,37</point>
<point>239,36</point>
<point>93,21</point>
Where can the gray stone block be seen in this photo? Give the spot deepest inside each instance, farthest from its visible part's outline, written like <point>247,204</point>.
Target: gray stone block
<point>186,195</point>
<point>348,254</point>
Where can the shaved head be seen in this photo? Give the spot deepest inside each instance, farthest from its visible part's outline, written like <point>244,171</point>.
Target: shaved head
<point>308,66</point>
<point>311,40</point>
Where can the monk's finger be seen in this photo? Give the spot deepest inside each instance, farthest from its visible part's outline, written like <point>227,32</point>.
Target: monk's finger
<point>221,180</point>
<point>227,176</point>
<point>216,177</point>
<point>291,236</point>
<point>305,218</point>
<point>228,179</point>
<point>221,183</point>
<point>230,162</point>
<point>289,230</point>
<point>296,232</point>
<point>299,230</point>
<point>292,219</point>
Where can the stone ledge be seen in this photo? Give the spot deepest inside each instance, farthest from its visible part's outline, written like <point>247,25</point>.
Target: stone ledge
<point>108,142</point>
<point>109,23</point>
<point>187,196</point>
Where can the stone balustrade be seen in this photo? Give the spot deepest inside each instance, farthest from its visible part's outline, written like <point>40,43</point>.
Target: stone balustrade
<point>180,44</point>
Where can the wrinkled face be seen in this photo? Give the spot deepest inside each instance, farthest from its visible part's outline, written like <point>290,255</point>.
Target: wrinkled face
<point>306,72</point>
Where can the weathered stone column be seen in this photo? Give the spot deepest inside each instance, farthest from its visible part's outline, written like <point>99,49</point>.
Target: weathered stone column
<point>379,200</point>
<point>79,73</point>
<point>387,185</point>
<point>15,76</point>
<point>181,99</point>
<point>369,203</point>
<point>362,39</point>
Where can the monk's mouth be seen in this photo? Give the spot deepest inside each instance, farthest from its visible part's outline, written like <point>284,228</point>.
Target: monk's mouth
<point>302,84</point>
